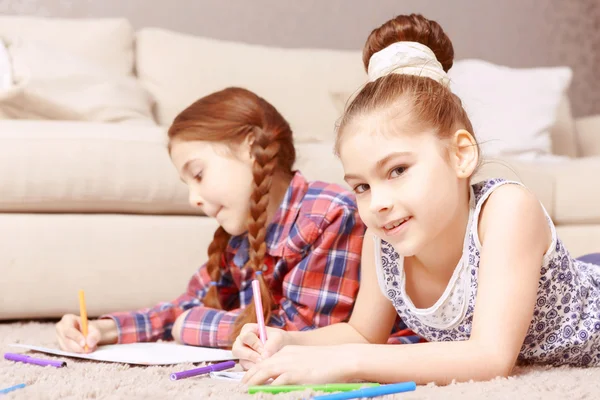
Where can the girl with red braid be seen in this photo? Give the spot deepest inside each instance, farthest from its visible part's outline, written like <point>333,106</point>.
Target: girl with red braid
<point>301,239</point>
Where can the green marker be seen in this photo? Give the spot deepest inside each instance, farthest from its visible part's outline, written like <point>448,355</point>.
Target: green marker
<point>330,387</point>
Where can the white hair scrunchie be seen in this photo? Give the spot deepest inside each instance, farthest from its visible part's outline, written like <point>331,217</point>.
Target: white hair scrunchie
<point>407,58</point>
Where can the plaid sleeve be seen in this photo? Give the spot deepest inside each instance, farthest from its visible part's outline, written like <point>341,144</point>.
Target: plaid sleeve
<point>152,324</point>
<point>321,289</point>
<point>402,335</point>
<point>209,327</point>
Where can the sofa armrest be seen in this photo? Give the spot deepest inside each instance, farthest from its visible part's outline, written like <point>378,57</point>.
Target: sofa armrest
<point>588,132</point>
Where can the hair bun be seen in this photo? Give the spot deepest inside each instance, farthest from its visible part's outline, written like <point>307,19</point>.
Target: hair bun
<point>411,28</point>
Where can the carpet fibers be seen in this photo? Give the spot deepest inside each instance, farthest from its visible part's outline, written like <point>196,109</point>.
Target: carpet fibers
<point>84,379</point>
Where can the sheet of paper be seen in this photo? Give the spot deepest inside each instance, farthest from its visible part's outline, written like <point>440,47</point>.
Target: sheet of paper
<point>232,376</point>
<point>235,376</point>
<point>144,353</point>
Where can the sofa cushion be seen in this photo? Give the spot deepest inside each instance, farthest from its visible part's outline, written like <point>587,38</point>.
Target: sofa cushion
<point>124,262</point>
<point>563,185</point>
<point>81,167</point>
<point>109,42</point>
<point>52,83</point>
<point>512,109</point>
<point>318,163</point>
<point>178,69</point>
<point>580,239</point>
<point>539,180</point>
<point>588,132</point>
<point>577,196</point>
<point>564,133</point>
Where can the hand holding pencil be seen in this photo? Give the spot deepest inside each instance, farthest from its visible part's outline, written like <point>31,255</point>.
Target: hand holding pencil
<point>252,345</point>
<point>78,335</point>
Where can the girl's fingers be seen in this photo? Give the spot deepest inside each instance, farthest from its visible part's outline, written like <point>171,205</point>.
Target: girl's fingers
<point>71,346</point>
<point>252,341</point>
<point>246,365</point>
<point>74,335</point>
<point>260,377</point>
<point>283,379</point>
<point>245,353</point>
<point>250,373</point>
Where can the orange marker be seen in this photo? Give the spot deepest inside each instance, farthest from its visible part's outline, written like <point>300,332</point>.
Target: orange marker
<point>83,314</point>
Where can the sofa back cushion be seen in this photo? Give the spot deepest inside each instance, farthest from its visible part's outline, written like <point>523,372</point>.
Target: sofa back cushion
<point>179,68</point>
<point>51,83</point>
<point>108,42</point>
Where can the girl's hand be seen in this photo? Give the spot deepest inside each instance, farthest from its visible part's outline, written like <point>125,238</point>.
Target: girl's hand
<point>303,365</point>
<point>70,338</point>
<point>250,350</point>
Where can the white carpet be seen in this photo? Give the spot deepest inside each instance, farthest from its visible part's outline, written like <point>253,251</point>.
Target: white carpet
<point>93,380</point>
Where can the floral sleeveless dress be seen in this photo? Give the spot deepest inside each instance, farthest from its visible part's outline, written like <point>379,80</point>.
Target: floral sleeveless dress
<point>565,329</point>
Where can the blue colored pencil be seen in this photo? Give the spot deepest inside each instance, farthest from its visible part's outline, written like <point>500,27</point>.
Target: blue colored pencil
<point>12,388</point>
<point>370,392</point>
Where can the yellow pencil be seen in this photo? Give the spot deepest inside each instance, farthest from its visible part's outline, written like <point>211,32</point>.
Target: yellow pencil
<point>83,314</point>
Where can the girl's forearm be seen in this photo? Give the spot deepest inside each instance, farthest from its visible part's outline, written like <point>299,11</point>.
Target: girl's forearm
<point>340,333</point>
<point>440,362</point>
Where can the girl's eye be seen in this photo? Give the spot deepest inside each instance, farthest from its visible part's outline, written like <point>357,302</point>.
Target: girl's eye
<point>396,172</point>
<point>363,187</point>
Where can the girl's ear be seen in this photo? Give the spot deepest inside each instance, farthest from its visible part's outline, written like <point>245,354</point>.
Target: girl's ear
<point>245,150</point>
<point>464,153</point>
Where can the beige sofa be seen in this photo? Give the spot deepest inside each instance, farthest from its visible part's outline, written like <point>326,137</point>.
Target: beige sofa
<point>90,200</point>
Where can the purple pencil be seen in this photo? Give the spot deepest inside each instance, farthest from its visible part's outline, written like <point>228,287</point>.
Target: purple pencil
<point>37,361</point>
<point>202,370</point>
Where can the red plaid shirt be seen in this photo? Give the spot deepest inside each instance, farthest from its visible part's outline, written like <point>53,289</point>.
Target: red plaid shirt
<point>313,259</point>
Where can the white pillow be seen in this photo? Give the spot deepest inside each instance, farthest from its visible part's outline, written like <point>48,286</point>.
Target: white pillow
<point>52,83</point>
<point>5,68</point>
<point>512,109</point>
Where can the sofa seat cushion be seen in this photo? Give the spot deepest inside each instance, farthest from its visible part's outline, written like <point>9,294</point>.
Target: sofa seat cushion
<point>80,167</point>
<point>565,186</point>
<point>588,132</point>
<point>578,192</point>
<point>124,262</point>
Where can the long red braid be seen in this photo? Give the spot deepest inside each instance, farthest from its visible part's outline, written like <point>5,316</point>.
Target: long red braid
<point>229,116</point>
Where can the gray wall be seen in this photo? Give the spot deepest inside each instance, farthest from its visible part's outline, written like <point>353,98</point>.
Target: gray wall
<point>519,33</point>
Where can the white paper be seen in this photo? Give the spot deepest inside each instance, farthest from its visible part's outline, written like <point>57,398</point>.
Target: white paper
<point>235,376</point>
<point>144,353</point>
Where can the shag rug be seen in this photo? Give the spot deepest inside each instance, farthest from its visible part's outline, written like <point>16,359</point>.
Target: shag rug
<point>83,379</point>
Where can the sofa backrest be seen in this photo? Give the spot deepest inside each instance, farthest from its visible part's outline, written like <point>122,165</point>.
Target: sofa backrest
<point>177,69</point>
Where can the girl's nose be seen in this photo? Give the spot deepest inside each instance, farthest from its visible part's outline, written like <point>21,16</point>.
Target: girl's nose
<point>195,199</point>
<point>380,201</point>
